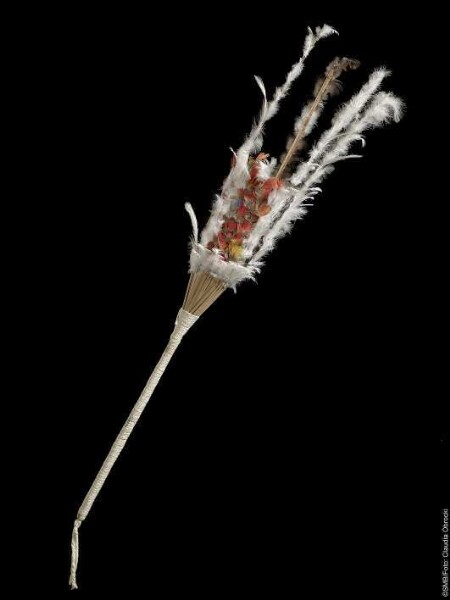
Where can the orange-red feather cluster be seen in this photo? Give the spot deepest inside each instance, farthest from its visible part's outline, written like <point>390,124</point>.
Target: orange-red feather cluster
<point>253,204</point>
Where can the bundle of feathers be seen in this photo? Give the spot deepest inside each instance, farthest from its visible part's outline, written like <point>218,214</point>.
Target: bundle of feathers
<point>261,197</point>
<point>260,200</point>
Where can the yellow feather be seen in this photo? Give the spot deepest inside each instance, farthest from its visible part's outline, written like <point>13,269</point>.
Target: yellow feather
<point>235,249</point>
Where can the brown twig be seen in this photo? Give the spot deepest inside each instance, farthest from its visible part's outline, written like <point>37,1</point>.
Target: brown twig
<point>334,69</point>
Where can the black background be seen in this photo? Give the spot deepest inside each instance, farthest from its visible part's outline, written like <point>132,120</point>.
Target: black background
<point>287,447</point>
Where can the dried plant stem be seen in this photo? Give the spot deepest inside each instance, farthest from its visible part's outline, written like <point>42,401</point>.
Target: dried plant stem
<point>301,132</point>
<point>330,85</point>
<point>203,289</point>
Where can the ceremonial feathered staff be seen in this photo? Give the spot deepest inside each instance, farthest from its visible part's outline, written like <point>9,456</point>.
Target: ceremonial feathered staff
<point>259,201</point>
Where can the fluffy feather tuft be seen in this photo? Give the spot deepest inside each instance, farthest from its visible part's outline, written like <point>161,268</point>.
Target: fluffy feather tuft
<point>383,108</point>
<point>342,119</point>
<point>257,204</point>
<point>254,139</point>
<point>232,273</point>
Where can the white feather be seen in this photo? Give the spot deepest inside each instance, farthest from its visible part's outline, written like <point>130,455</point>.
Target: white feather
<point>277,200</point>
<point>266,169</point>
<point>254,139</point>
<point>232,273</point>
<point>383,108</point>
<point>191,213</point>
<point>312,118</point>
<point>338,159</point>
<point>278,230</point>
<point>343,118</point>
<point>214,222</point>
<point>261,85</point>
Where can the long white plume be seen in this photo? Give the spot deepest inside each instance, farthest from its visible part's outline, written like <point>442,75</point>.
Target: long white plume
<point>269,109</point>
<point>383,108</point>
<point>343,118</point>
